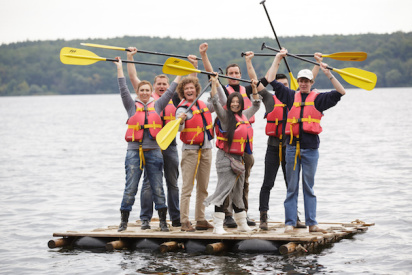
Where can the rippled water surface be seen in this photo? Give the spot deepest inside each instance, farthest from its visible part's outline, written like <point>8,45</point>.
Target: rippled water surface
<point>62,168</point>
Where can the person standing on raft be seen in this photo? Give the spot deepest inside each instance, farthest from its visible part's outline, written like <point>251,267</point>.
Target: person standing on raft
<point>143,152</point>
<point>302,138</point>
<point>234,138</point>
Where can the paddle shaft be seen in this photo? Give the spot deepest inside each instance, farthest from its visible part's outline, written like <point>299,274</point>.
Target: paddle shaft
<point>273,29</point>
<point>295,56</point>
<point>139,51</point>
<point>271,54</point>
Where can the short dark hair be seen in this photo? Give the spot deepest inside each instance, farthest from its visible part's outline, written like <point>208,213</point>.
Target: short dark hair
<point>233,65</point>
<point>281,76</point>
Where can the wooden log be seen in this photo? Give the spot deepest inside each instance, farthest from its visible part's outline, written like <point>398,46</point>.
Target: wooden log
<point>59,242</point>
<point>287,248</point>
<point>215,248</point>
<point>116,245</point>
<point>168,246</point>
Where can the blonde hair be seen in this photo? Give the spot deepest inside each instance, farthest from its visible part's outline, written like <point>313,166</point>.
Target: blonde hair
<point>184,82</point>
<point>160,76</point>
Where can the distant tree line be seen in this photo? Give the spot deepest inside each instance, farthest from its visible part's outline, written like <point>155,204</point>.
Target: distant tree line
<point>34,67</point>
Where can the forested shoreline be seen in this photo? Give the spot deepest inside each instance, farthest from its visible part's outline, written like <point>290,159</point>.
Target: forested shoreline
<point>34,67</point>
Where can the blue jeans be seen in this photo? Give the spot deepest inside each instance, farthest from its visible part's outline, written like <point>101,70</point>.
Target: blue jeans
<point>171,172</point>
<point>271,169</point>
<point>154,166</point>
<point>308,163</point>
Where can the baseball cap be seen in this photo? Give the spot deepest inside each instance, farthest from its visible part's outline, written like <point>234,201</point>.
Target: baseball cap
<point>306,74</point>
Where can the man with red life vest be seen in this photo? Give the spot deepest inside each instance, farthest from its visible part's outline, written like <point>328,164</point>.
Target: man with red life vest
<point>170,155</point>
<point>276,115</point>
<point>302,131</point>
<point>143,153</point>
<point>233,70</point>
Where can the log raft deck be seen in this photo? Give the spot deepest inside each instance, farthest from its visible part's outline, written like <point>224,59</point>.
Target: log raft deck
<point>301,240</point>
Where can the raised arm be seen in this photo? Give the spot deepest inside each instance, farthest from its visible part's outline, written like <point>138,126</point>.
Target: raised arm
<point>335,82</point>
<point>131,68</point>
<point>205,59</point>
<point>315,70</point>
<point>193,59</point>
<point>251,70</point>
<point>273,70</point>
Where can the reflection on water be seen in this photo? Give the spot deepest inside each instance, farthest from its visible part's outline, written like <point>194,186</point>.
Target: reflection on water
<point>62,168</point>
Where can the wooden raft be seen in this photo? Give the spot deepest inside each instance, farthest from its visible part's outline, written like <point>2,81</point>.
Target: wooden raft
<point>301,240</point>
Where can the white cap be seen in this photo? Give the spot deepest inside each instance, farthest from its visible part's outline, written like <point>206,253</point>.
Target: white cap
<point>306,74</point>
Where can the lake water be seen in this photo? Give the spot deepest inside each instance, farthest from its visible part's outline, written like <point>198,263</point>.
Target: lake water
<point>62,168</point>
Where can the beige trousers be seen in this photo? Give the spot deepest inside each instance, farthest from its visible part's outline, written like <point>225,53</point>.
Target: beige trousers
<point>189,174</point>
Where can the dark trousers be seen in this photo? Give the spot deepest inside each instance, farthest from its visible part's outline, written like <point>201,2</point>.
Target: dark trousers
<point>271,169</point>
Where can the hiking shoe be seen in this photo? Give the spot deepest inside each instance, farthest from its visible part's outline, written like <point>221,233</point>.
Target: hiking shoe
<point>203,225</point>
<point>229,222</point>
<point>145,225</point>
<point>186,226</point>
<point>315,228</point>
<point>250,222</point>
<point>300,224</point>
<point>289,229</point>
<point>176,223</point>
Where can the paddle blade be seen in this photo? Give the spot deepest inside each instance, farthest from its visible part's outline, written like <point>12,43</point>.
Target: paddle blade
<point>348,56</point>
<point>358,77</point>
<point>293,82</point>
<point>168,133</point>
<point>103,46</point>
<point>73,56</point>
<point>177,66</point>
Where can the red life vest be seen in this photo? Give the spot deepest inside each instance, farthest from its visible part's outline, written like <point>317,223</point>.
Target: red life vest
<point>310,118</point>
<point>193,133</point>
<point>169,113</point>
<point>136,123</point>
<point>276,119</point>
<point>242,135</point>
<point>247,103</point>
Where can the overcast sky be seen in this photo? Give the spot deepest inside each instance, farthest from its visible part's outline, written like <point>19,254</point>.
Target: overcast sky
<point>22,20</point>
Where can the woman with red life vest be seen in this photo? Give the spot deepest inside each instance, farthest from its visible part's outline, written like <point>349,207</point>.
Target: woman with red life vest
<point>196,133</point>
<point>170,154</point>
<point>234,138</point>
<point>143,152</point>
<point>306,108</point>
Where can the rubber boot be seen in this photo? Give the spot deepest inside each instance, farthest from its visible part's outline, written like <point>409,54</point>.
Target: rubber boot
<point>240,219</point>
<point>124,218</point>
<point>162,219</point>
<point>218,218</point>
<point>263,220</point>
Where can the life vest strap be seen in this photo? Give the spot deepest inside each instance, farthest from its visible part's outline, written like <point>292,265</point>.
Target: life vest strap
<point>297,154</point>
<point>145,109</point>
<point>300,120</point>
<point>242,122</point>
<point>141,157</point>
<point>199,155</point>
<point>300,104</point>
<point>198,130</point>
<point>200,111</point>
<point>171,117</point>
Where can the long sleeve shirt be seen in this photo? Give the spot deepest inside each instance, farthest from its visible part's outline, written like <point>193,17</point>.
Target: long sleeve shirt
<point>323,102</point>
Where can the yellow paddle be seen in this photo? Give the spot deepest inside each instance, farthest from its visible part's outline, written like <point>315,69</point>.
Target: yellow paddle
<point>126,49</point>
<point>169,131</point>
<point>357,77</point>
<point>73,56</point>
<point>342,56</point>
<point>177,66</point>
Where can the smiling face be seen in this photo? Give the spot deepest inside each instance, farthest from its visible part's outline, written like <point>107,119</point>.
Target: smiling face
<point>189,91</point>
<point>144,93</point>
<point>304,85</point>
<point>235,105</point>
<point>160,86</point>
<point>233,72</point>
